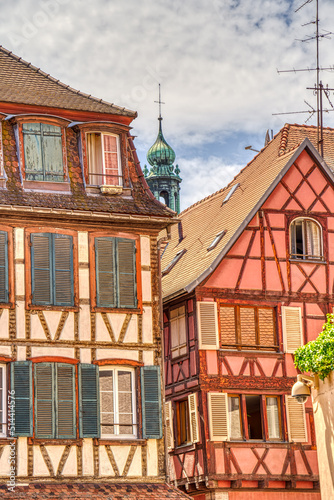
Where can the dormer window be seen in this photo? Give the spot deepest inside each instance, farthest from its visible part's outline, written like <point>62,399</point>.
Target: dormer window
<point>104,165</point>
<point>43,152</point>
<point>305,239</point>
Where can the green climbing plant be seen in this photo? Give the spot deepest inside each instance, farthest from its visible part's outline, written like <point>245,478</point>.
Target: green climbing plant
<point>317,356</point>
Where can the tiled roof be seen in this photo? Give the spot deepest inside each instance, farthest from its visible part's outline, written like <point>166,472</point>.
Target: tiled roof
<point>96,491</point>
<point>204,220</point>
<point>22,83</point>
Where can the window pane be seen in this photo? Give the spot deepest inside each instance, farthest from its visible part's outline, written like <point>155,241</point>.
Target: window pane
<point>313,239</point>
<point>52,153</point>
<point>107,401</point>
<point>95,165</point>
<point>254,420</point>
<point>234,417</point>
<point>183,431</point>
<point>273,418</point>
<point>33,151</point>
<point>299,248</point>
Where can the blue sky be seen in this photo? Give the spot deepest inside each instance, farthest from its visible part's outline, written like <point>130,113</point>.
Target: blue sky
<point>216,61</point>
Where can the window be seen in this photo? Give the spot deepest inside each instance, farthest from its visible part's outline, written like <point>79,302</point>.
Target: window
<point>43,152</point>
<point>187,429</point>
<point>244,327</point>
<point>178,332</point>
<point>305,239</point>
<point>104,165</point>
<point>52,269</point>
<point>115,272</point>
<point>3,400</point>
<point>4,295</point>
<point>48,393</point>
<point>175,259</point>
<point>236,417</point>
<point>117,402</point>
<point>216,240</point>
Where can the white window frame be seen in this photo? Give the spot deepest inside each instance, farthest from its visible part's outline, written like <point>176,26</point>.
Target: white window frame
<point>305,255</point>
<point>3,428</point>
<point>115,370</point>
<point>102,176</point>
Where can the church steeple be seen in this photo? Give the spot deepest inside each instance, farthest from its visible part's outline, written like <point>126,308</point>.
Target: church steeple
<point>163,179</point>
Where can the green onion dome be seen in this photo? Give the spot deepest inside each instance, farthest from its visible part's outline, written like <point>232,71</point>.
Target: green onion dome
<point>160,153</point>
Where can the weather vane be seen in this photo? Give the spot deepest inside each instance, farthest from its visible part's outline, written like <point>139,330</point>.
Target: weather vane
<point>319,90</point>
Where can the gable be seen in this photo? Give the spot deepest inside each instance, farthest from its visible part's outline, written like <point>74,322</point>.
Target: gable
<point>261,259</point>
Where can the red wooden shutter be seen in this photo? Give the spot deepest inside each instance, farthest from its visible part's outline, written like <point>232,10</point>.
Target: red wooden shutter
<point>110,160</point>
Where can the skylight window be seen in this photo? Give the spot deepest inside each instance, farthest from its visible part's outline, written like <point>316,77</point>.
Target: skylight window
<point>173,262</point>
<point>216,240</point>
<point>229,194</point>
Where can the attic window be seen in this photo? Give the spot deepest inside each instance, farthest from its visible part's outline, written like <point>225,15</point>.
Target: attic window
<point>170,266</point>
<point>228,196</point>
<point>216,240</point>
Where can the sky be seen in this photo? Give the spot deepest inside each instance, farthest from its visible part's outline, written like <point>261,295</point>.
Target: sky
<point>216,61</point>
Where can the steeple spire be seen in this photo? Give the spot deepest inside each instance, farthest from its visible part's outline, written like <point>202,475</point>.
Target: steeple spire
<point>163,180</point>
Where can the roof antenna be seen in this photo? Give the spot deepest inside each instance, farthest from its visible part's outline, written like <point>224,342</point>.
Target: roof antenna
<point>319,90</point>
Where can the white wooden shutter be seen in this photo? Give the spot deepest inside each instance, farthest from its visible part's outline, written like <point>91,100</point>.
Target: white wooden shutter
<point>169,425</point>
<point>207,325</point>
<point>296,420</point>
<point>193,418</point>
<point>218,416</point>
<point>292,328</point>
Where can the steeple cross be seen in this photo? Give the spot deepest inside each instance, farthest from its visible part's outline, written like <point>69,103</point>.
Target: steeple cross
<point>160,102</point>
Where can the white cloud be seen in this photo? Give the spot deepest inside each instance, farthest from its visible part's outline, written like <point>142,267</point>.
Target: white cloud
<point>216,61</point>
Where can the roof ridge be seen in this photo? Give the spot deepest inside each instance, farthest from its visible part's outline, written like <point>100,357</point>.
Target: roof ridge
<point>61,84</point>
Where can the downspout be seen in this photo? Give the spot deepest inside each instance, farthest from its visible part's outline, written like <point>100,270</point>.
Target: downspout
<point>160,241</point>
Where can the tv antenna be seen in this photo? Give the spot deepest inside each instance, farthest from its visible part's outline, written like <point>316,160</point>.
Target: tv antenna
<point>319,90</point>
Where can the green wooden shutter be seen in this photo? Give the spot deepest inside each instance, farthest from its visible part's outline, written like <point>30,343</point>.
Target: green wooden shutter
<point>89,403</point>
<point>151,402</point>
<point>44,400</point>
<point>21,383</point>
<point>41,268</point>
<point>33,151</point>
<point>126,272</point>
<point>52,153</point>
<point>65,401</point>
<point>3,266</point>
<point>105,272</point>
<point>63,292</point>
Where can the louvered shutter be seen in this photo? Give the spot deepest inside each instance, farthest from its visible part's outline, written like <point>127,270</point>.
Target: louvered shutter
<point>52,153</point>
<point>207,325</point>
<point>169,425</point>
<point>218,416</point>
<point>3,266</point>
<point>65,401</point>
<point>63,270</point>
<point>89,403</point>
<point>296,420</point>
<point>44,401</point>
<point>105,272</point>
<point>126,271</point>
<point>151,402</point>
<point>41,268</point>
<point>292,328</point>
<point>32,140</point>
<point>193,418</point>
<point>21,383</point>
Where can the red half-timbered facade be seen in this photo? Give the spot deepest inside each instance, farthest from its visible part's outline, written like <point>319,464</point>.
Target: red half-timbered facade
<point>250,280</point>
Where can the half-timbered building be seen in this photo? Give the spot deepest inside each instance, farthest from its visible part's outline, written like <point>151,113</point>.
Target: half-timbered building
<point>248,276</point>
<point>80,378</point>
